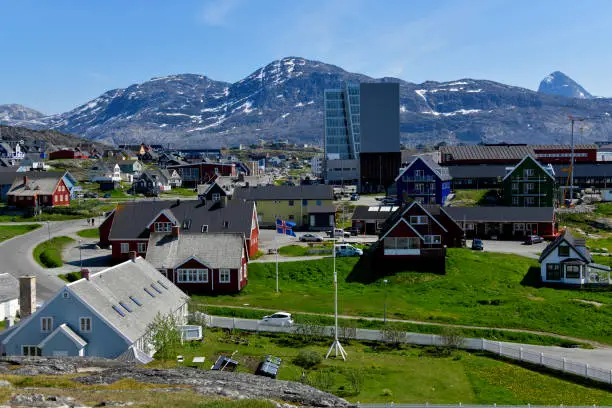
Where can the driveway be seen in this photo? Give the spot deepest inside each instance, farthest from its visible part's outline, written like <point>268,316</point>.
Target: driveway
<point>512,247</point>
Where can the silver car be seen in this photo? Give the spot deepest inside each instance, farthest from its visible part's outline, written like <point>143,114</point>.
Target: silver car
<point>278,319</point>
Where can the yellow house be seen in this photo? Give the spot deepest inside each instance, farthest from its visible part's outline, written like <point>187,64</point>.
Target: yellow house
<point>310,207</point>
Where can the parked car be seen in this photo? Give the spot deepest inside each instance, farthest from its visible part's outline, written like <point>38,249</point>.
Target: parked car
<point>278,319</point>
<point>477,244</point>
<point>348,250</point>
<point>355,197</point>
<point>91,194</point>
<point>533,239</point>
<point>339,233</point>
<point>269,367</point>
<point>310,238</point>
<point>353,231</point>
<point>389,200</point>
<point>107,195</point>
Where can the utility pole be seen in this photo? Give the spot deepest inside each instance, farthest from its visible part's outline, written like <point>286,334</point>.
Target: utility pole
<point>572,120</point>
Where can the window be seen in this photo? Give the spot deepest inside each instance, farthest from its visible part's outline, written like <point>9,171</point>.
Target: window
<point>291,202</point>
<point>319,202</point>
<point>149,292</point>
<point>119,311</point>
<point>401,243</point>
<point>225,224</point>
<point>419,173</point>
<point>192,275</point>
<point>65,295</point>
<point>519,227</point>
<point>553,272</point>
<point>469,226</point>
<point>528,188</point>
<point>163,227</point>
<point>46,324</point>
<point>30,351</point>
<point>125,247</point>
<point>135,301</point>
<point>433,239</point>
<point>563,250</point>
<point>204,228</point>
<point>85,324</point>
<point>156,288</point>
<point>224,276</point>
<point>515,187</point>
<point>515,201</point>
<point>216,197</point>
<point>162,284</point>
<point>304,203</point>
<point>418,219</point>
<point>126,307</point>
<point>572,271</point>
<point>529,201</point>
<point>528,172</point>
<point>142,247</point>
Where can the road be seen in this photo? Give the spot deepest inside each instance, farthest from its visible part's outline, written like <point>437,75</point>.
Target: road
<point>16,255</point>
<point>512,247</point>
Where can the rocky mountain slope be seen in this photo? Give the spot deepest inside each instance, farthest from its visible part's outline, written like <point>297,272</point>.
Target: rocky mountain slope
<point>284,99</point>
<point>558,83</point>
<point>53,138</point>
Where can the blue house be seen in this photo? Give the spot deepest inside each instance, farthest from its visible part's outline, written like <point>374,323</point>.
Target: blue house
<point>104,314</point>
<point>424,181</point>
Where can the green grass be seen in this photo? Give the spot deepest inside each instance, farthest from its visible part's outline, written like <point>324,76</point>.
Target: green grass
<point>70,276</point>
<point>301,250</point>
<point>409,374</point>
<point>481,289</point>
<point>48,254</point>
<point>89,233</point>
<point>78,209</point>
<point>469,198</point>
<point>10,231</point>
<point>257,255</point>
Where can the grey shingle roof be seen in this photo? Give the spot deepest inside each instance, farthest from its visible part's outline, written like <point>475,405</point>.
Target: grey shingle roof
<point>9,287</point>
<point>39,182</point>
<point>500,214</point>
<point>321,209</point>
<point>602,169</point>
<point>8,176</point>
<point>215,250</point>
<point>478,171</point>
<point>131,219</point>
<point>573,242</point>
<point>108,287</point>
<point>308,192</point>
<point>379,213</point>
<point>500,152</point>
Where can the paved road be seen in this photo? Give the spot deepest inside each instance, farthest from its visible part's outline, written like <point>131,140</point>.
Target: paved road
<point>16,255</point>
<point>512,247</point>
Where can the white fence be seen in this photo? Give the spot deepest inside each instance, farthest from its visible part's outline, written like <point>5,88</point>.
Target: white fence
<point>512,351</point>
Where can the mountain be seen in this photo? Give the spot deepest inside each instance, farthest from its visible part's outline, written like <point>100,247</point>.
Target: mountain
<point>284,99</point>
<point>18,113</point>
<point>52,138</point>
<point>558,83</point>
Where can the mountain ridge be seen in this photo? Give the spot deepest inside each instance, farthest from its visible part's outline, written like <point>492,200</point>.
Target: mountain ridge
<point>284,99</point>
<point>558,83</point>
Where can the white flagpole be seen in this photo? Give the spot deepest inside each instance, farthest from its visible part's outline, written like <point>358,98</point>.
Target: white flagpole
<point>336,344</point>
<point>277,248</point>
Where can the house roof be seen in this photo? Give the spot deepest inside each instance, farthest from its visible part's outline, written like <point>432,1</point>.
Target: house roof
<point>500,214</point>
<point>63,329</point>
<point>573,242</point>
<point>306,192</point>
<point>134,355</point>
<point>601,169</point>
<point>478,171</point>
<point>106,290</point>
<point>39,182</point>
<point>131,219</point>
<point>7,175</point>
<point>377,212</point>
<point>397,215</point>
<point>9,287</point>
<point>529,157</point>
<point>215,250</point>
<point>160,174</point>
<point>501,152</point>
<point>321,209</point>
<point>441,172</point>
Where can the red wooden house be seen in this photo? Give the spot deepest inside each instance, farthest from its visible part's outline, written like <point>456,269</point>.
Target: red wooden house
<point>415,237</point>
<point>39,189</point>
<point>129,227</point>
<point>203,172</point>
<point>68,154</point>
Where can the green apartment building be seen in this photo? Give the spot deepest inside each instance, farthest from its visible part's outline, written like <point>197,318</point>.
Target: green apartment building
<point>310,207</point>
<point>529,184</point>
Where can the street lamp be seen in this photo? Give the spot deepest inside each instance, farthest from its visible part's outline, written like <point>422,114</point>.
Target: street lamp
<point>385,315</point>
<point>80,256</point>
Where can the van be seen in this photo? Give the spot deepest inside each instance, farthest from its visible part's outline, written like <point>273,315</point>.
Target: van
<point>348,250</point>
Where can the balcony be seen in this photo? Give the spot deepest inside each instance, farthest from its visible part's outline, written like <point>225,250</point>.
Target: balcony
<point>429,179</point>
<point>422,192</point>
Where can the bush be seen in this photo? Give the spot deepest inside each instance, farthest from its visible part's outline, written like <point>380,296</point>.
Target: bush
<point>451,337</point>
<point>393,335</point>
<point>307,359</point>
<point>356,379</point>
<point>50,259</point>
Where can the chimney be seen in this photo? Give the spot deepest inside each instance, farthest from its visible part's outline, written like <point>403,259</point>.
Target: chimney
<point>85,273</point>
<point>27,296</point>
<point>223,202</point>
<point>176,230</point>
<point>25,180</point>
<point>133,256</point>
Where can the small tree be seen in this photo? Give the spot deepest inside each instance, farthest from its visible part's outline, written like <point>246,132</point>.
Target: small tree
<point>356,379</point>
<point>393,335</point>
<point>451,337</point>
<point>165,335</point>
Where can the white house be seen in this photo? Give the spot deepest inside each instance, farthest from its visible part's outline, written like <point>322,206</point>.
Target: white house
<point>567,261</point>
<point>9,296</point>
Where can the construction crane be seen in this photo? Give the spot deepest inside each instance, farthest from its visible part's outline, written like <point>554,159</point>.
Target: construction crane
<point>570,177</point>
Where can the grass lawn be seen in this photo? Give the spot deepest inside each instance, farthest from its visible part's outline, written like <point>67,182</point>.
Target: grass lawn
<point>379,373</point>
<point>10,231</point>
<point>181,191</point>
<point>89,233</point>
<point>481,289</point>
<point>469,198</point>
<point>48,254</point>
<point>78,209</point>
<point>70,276</point>
<point>301,250</point>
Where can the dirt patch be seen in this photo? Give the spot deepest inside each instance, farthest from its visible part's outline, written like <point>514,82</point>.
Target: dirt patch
<point>532,297</point>
<point>589,302</point>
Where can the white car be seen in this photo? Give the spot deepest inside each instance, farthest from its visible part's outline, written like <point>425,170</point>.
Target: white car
<point>278,319</point>
<point>348,250</point>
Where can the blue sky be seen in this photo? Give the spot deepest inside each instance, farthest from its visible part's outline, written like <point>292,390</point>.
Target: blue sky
<point>59,54</point>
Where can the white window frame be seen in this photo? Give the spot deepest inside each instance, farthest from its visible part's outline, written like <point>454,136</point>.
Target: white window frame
<point>528,172</point>
<point>469,226</point>
<point>216,196</point>
<point>433,239</point>
<point>418,219</point>
<point>515,201</point>
<point>37,350</point>
<point>192,275</point>
<point>46,324</point>
<point>125,247</point>
<point>528,188</point>
<point>163,227</point>
<point>225,275</point>
<point>529,201</point>
<point>142,247</point>
<point>82,320</point>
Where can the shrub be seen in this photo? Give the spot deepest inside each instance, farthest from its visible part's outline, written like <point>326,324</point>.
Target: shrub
<point>393,335</point>
<point>356,379</point>
<point>50,259</point>
<point>307,359</point>
<point>386,392</point>
<point>451,337</point>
